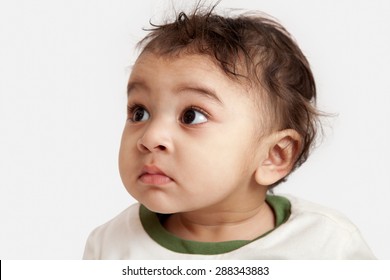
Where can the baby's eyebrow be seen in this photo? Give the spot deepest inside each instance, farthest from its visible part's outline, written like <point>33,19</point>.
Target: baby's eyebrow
<point>133,85</point>
<point>197,89</point>
<point>201,90</point>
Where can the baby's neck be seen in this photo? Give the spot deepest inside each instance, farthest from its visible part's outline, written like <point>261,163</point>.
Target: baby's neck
<point>222,226</point>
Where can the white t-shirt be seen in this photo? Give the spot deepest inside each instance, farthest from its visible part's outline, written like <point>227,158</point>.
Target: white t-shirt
<point>303,231</point>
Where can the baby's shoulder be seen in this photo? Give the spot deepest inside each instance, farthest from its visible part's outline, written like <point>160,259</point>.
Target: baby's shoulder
<point>107,240</point>
<point>314,231</point>
<point>304,211</point>
<point>125,219</point>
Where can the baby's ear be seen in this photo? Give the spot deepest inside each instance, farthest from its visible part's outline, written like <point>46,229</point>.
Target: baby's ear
<point>283,149</point>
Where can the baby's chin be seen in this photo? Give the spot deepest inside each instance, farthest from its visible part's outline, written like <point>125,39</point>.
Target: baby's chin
<point>159,207</point>
<point>169,208</point>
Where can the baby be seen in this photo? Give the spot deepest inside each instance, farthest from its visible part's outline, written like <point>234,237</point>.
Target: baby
<point>220,110</point>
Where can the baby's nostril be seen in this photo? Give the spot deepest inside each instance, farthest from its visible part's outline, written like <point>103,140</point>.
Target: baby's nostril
<point>161,147</point>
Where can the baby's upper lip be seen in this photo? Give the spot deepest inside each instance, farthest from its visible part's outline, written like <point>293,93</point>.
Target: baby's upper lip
<point>152,169</point>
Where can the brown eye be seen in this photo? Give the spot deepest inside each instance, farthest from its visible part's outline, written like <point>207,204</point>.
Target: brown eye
<point>192,116</point>
<point>140,115</point>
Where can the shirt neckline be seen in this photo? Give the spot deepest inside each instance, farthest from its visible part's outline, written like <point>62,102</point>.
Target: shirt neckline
<point>151,223</point>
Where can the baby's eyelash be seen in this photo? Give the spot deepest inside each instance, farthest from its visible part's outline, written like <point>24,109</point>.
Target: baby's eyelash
<point>131,108</point>
<point>200,110</point>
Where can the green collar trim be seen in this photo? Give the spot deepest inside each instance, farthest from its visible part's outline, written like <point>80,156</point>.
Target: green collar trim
<point>151,223</point>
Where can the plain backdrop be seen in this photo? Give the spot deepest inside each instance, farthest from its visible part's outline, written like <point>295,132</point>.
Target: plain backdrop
<point>63,72</point>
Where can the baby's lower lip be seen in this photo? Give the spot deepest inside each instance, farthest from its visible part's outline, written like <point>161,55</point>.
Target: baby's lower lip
<point>154,179</point>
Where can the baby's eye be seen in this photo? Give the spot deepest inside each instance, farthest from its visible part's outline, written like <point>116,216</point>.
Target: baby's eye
<point>138,114</point>
<point>193,116</point>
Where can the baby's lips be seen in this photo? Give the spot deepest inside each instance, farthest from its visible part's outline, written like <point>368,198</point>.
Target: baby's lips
<point>155,179</point>
<point>153,170</point>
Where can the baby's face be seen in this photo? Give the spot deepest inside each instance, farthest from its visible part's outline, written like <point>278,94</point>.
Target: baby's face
<point>191,138</point>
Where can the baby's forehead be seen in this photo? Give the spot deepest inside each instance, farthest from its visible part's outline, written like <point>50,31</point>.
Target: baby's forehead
<point>187,64</point>
<point>192,69</point>
<point>195,60</point>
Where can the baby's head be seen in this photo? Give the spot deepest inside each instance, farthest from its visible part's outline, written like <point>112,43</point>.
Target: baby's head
<point>217,106</point>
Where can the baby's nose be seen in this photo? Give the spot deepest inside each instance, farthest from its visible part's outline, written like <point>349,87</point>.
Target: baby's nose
<point>156,138</point>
